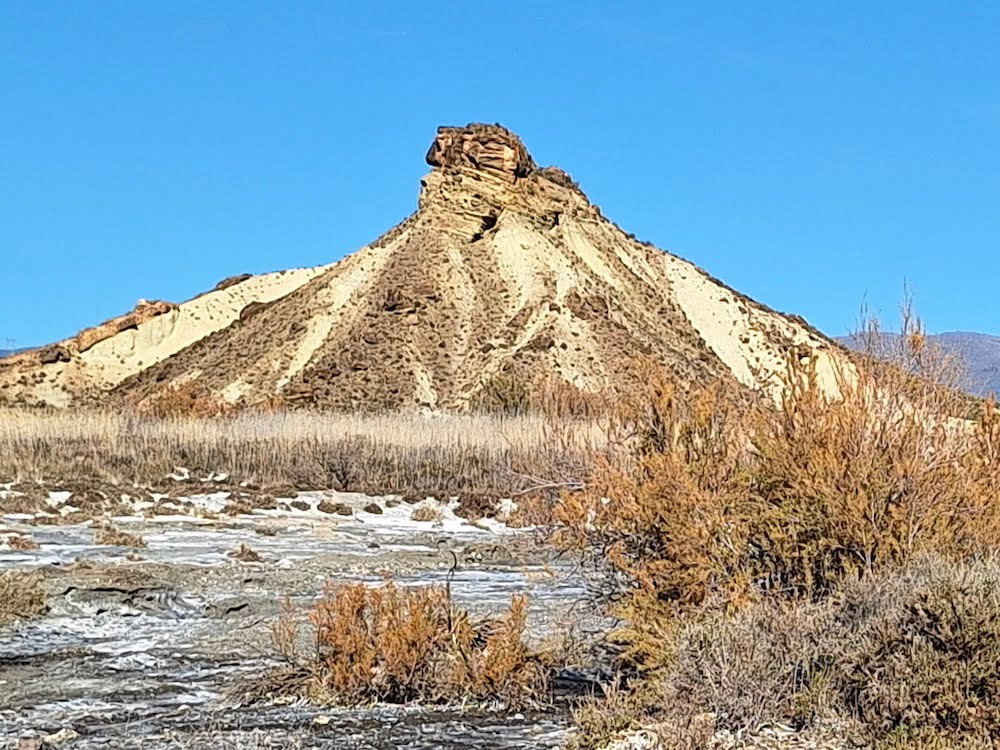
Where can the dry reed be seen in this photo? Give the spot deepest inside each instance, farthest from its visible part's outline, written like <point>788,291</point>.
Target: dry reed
<point>369,453</point>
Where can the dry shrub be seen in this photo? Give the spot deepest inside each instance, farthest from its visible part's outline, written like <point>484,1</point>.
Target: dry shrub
<point>184,400</point>
<point>907,654</point>
<point>21,596</point>
<point>400,645</point>
<point>619,710</point>
<point>427,512</point>
<point>561,400</point>
<point>910,350</point>
<point>22,542</point>
<point>661,516</point>
<point>509,395</point>
<point>723,499</point>
<point>503,395</point>
<point>114,537</point>
<point>245,553</point>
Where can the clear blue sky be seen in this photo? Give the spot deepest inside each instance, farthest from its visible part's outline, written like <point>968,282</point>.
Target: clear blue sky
<point>809,154</point>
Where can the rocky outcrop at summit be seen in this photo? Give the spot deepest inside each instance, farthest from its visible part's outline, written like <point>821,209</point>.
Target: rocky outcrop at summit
<point>490,147</point>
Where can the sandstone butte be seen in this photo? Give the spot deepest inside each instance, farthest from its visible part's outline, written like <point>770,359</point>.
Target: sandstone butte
<point>506,272</point>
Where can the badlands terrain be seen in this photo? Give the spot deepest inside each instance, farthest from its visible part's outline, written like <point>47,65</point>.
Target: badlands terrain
<point>506,273</point>
<point>146,564</point>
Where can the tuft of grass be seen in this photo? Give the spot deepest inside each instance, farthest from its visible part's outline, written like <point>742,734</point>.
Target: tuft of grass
<point>245,553</point>
<point>401,645</point>
<point>427,512</point>
<point>21,596</point>
<point>114,537</point>
<point>22,542</point>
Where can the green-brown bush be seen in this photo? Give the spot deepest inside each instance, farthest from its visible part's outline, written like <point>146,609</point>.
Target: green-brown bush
<point>908,659</point>
<point>913,652</point>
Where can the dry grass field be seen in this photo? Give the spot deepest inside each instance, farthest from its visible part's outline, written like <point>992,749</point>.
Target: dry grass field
<point>493,455</point>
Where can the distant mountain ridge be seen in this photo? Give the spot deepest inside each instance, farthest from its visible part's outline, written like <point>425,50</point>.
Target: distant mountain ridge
<point>978,352</point>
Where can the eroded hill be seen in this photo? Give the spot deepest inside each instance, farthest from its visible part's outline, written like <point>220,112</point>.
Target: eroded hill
<point>505,271</point>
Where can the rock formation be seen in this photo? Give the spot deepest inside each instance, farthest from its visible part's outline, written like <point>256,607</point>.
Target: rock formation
<point>505,276</point>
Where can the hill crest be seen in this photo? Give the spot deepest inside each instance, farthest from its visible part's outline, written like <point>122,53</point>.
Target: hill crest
<point>506,272</point>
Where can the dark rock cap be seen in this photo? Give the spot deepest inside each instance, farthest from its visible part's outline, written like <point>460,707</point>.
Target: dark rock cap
<point>480,146</point>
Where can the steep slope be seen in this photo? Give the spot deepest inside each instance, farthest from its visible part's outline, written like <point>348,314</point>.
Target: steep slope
<point>506,271</point>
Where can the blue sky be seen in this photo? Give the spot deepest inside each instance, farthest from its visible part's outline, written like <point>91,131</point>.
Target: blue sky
<point>812,155</point>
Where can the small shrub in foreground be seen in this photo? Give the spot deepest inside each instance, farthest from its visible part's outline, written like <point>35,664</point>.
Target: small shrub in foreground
<point>401,645</point>
<point>427,513</point>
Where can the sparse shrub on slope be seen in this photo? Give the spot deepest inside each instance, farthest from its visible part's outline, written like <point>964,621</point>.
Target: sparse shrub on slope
<point>508,395</point>
<point>503,395</point>
<point>185,400</point>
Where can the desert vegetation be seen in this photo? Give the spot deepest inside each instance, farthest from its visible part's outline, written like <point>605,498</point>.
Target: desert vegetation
<point>828,564</point>
<point>400,645</point>
<point>110,535</point>
<point>21,596</point>
<point>405,454</point>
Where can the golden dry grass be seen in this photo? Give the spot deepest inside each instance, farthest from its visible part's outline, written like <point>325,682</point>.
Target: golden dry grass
<point>374,453</point>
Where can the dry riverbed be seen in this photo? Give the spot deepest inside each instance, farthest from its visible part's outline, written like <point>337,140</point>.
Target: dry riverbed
<point>149,646</point>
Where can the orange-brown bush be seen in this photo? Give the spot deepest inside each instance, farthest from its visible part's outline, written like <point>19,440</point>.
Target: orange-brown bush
<point>398,645</point>
<point>718,498</point>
